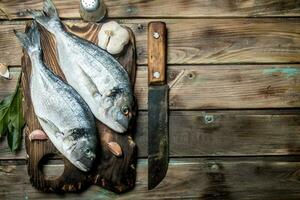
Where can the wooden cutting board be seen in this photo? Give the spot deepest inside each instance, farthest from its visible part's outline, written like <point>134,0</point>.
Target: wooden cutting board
<point>114,173</point>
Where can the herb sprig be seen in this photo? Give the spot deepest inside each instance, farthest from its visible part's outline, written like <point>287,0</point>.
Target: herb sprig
<point>11,118</point>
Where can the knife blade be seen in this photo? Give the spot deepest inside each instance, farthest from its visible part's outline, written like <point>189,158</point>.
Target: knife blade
<point>158,139</point>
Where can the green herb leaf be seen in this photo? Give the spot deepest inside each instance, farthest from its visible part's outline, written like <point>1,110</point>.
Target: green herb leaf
<point>4,108</point>
<point>11,119</point>
<point>14,139</point>
<point>16,122</point>
<point>3,126</point>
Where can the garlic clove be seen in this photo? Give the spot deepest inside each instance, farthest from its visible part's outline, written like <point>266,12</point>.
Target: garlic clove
<point>103,40</point>
<point>115,149</point>
<point>118,42</point>
<point>114,47</point>
<point>38,135</point>
<point>112,25</point>
<point>4,72</point>
<point>123,34</point>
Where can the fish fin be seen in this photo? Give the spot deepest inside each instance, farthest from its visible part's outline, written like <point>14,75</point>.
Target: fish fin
<point>30,40</point>
<point>59,135</point>
<point>52,131</point>
<point>67,149</point>
<point>49,125</point>
<point>92,89</point>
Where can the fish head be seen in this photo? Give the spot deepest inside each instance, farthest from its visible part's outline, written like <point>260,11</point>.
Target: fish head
<point>83,153</point>
<point>120,112</point>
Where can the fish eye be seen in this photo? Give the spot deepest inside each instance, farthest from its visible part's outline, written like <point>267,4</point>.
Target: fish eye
<point>125,110</point>
<point>87,151</point>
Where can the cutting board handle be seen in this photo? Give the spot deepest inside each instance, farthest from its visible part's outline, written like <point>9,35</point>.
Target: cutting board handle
<point>157,34</point>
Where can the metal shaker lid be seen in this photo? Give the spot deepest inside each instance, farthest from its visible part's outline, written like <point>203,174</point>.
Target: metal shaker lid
<point>90,5</point>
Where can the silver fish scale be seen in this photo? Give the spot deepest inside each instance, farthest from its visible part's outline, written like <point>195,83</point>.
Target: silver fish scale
<point>63,114</point>
<point>112,66</point>
<point>55,101</point>
<point>95,75</point>
<point>100,64</point>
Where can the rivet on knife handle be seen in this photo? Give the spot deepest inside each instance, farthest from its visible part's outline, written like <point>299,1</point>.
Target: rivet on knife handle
<point>157,53</point>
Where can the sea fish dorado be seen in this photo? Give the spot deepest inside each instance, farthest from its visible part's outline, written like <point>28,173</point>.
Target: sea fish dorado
<point>62,113</point>
<point>96,75</point>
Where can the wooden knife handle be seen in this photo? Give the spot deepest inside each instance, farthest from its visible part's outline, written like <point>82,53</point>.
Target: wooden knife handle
<point>157,37</point>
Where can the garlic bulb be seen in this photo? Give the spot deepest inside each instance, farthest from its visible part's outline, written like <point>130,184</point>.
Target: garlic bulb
<point>113,37</point>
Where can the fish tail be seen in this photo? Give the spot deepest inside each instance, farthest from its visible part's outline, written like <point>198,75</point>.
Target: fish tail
<point>30,40</point>
<point>49,18</point>
<point>50,9</point>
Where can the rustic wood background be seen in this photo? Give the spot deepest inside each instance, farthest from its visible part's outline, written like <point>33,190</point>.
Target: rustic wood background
<point>234,71</point>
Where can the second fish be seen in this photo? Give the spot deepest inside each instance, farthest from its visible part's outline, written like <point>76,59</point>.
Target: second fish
<point>96,75</point>
<point>62,113</point>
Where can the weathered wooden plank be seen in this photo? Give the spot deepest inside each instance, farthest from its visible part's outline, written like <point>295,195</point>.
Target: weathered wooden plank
<point>7,86</point>
<point>219,133</point>
<point>228,134</point>
<point>198,41</point>
<point>221,86</point>
<point>207,179</point>
<point>167,8</point>
<point>5,152</point>
<point>10,48</point>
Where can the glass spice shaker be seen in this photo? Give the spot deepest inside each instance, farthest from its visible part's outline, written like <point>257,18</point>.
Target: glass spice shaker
<point>92,10</point>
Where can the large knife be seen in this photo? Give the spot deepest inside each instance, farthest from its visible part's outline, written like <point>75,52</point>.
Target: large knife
<point>158,140</point>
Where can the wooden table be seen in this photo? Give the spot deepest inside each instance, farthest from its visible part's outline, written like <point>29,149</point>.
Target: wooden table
<point>234,74</point>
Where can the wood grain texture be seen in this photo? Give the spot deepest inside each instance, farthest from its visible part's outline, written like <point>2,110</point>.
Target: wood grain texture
<point>7,86</point>
<point>227,87</point>
<point>221,86</point>
<point>157,53</point>
<point>233,87</point>
<point>11,51</point>
<point>202,41</point>
<point>218,133</point>
<point>114,173</point>
<point>166,8</point>
<point>207,179</point>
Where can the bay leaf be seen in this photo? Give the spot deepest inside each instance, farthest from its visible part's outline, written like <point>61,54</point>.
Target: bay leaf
<point>16,122</point>
<point>4,108</point>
